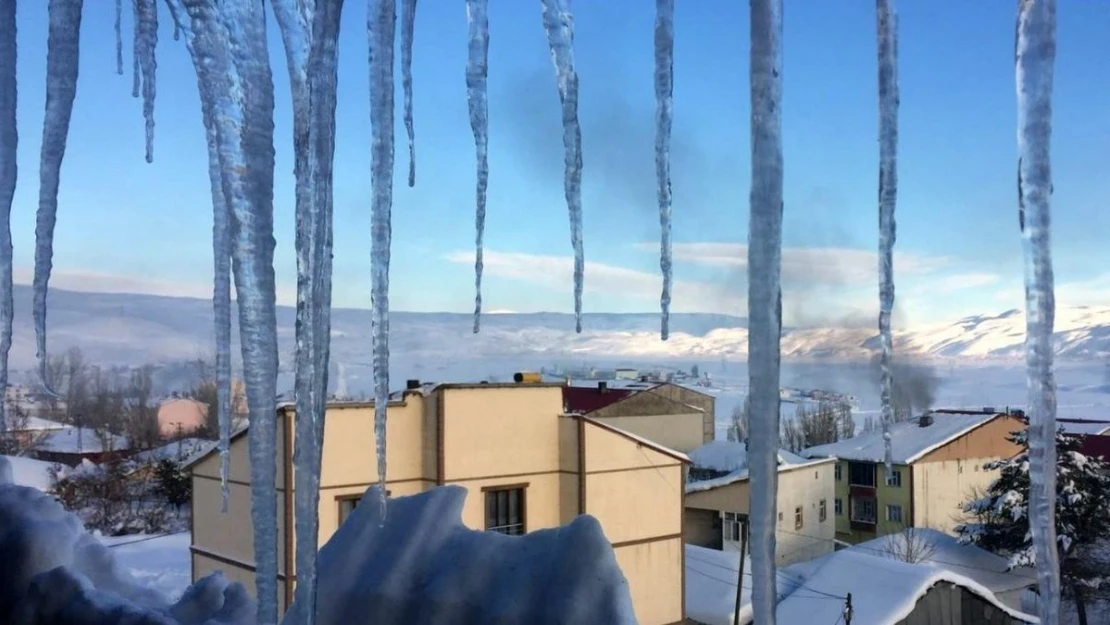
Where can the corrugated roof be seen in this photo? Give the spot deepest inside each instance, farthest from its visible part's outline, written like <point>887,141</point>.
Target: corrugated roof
<point>909,440</point>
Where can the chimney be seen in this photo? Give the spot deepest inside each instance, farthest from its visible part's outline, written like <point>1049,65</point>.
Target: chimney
<point>602,387</point>
<point>518,377</point>
<point>925,420</point>
<point>413,385</point>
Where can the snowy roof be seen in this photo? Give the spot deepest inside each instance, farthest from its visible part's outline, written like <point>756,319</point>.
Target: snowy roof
<point>38,424</point>
<point>909,441</point>
<point>711,586</point>
<point>30,472</point>
<point>184,451</point>
<point>419,562</point>
<point>731,456</point>
<point>73,440</point>
<point>892,590</point>
<point>1084,426</point>
<point>624,385</point>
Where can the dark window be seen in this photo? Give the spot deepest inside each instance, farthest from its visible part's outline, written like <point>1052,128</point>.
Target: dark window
<point>838,506</point>
<point>348,503</point>
<point>505,510</point>
<point>861,474</point>
<point>734,524</point>
<point>863,509</point>
<point>894,513</point>
<point>837,472</point>
<point>822,512</point>
<point>894,479</point>
<point>798,518</point>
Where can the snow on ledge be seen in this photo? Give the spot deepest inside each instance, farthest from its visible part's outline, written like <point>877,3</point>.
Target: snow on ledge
<point>423,566</point>
<point>56,573</point>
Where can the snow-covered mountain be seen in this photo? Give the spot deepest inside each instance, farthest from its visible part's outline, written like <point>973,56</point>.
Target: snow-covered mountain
<point>133,329</point>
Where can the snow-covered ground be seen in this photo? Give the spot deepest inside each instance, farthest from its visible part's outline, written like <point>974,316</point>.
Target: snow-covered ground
<point>160,562</point>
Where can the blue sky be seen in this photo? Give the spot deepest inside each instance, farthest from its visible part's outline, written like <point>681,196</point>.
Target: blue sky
<point>132,226</point>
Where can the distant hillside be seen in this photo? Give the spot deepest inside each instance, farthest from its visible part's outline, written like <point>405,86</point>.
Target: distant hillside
<point>132,329</point>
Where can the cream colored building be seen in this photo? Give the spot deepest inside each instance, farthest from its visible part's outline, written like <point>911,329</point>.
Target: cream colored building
<point>670,414</point>
<point>717,509</point>
<point>525,463</point>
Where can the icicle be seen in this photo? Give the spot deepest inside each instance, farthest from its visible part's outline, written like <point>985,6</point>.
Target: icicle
<point>381,24</point>
<point>176,30</point>
<point>408,24</point>
<point>477,67</point>
<point>146,40</point>
<point>1035,52</point>
<point>310,37</point>
<point>765,295</point>
<point>888,193</point>
<point>136,40</point>
<point>62,55</point>
<point>9,139</point>
<point>119,37</point>
<point>559,24</point>
<point>227,42</point>
<point>664,101</point>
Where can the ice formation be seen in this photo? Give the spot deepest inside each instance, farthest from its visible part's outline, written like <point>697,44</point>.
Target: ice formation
<point>664,103</point>
<point>119,37</point>
<point>765,295</point>
<point>411,570</point>
<point>558,22</point>
<point>381,25</point>
<point>477,67</point>
<point>408,26</point>
<point>228,46</point>
<point>146,41</point>
<point>1035,56</point>
<point>887,21</point>
<point>62,55</point>
<point>310,34</point>
<point>54,572</point>
<point>9,140</point>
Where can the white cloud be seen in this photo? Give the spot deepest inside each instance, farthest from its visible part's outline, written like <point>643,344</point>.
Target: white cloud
<point>94,282</point>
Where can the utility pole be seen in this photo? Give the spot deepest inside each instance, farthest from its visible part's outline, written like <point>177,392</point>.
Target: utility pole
<point>848,610</point>
<point>743,554</point>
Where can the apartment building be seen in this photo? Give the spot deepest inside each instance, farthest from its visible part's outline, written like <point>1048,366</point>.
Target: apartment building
<point>526,464</point>
<point>938,463</point>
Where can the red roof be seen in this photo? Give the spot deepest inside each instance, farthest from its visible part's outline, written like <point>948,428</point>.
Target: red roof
<point>581,400</point>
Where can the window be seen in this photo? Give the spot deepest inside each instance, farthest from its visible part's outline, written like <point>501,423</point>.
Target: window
<point>838,506</point>
<point>348,503</point>
<point>894,514</point>
<point>780,516</point>
<point>861,474</point>
<point>894,479</point>
<point>798,518</point>
<point>733,526</point>
<point>505,510</point>
<point>863,509</point>
<point>822,511</point>
<point>836,472</point>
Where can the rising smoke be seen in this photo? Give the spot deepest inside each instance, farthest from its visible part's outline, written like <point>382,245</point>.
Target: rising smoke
<point>914,387</point>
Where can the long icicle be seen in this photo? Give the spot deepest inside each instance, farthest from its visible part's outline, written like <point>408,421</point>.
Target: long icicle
<point>381,26</point>
<point>765,295</point>
<point>9,140</point>
<point>310,38</point>
<point>887,22</point>
<point>477,69</point>
<point>62,56</point>
<point>136,54</point>
<point>228,48</point>
<point>119,37</point>
<point>1035,57</point>
<point>558,22</point>
<point>146,41</point>
<point>664,104</point>
<point>408,26</point>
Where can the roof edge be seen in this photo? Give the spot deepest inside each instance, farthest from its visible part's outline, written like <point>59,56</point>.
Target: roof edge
<point>666,451</point>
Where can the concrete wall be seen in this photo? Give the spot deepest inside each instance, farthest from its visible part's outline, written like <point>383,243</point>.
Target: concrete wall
<point>705,401</point>
<point>941,488</point>
<point>658,418</point>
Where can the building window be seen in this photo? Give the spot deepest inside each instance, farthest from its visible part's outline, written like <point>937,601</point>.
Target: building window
<point>894,479</point>
<point>505,510</point>
<point>837,472</point>
<point>862,510</point>
<point>348,503</point>
<point>894,514</point>
<point>822,511</point>
<point>861,474</point>
<point>798,518</point>
<point>733,526</point>
<point>838,506</point>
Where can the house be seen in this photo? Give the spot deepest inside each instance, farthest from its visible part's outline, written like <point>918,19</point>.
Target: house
<point>672,415</point>
<point>525,464</point>
<point>947,590</point>
<point>70,445</point>
<point>1094,435</point>
<point>26,432</point>
<point>717,504</point>
<point>938,463</point>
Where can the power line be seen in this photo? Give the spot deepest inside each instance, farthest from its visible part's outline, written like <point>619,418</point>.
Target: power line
<point>144,539</point>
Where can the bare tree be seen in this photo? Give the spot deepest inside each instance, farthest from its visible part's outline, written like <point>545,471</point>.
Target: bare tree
<point>910,545</point>
<point>741,416</point>
<point>141,414</point>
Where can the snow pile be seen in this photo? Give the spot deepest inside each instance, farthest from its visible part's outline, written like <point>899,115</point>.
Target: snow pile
<point>424,566</point>
<point>727,456</point>
<point>54,572</point>
<point>908,439</point>
<point>893,589</point>
<point>26,472</point>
